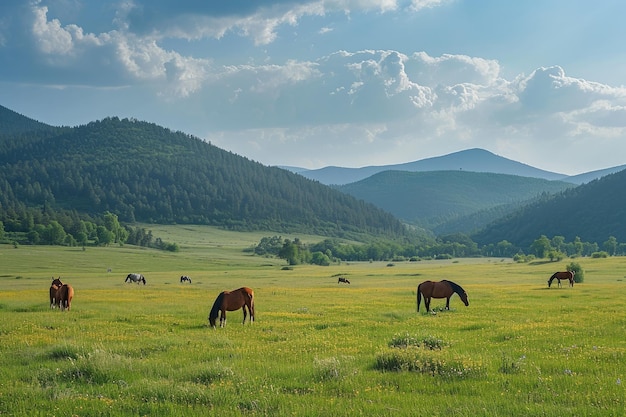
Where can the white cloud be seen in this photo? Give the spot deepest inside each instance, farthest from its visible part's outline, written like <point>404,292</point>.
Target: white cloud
<point>549,89</point>
<point>391,103</point>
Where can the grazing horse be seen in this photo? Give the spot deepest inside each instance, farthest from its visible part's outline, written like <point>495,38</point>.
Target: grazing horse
<point>342,279</point>
<point>231,301</point>
<point>135,278</point>
<point>185,278</point>
<point>568,275</point>
<point>63,294</point>
<point>442,289</point>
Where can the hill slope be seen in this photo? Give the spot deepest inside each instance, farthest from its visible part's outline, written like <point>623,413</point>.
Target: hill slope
<point>593,212</point>
<point>474,160</point>
<point>431,198</point>
<point>13,123</point>
<point>143,172</point>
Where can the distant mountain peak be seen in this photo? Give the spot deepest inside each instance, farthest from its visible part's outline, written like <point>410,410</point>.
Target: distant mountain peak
<point>473,160</point>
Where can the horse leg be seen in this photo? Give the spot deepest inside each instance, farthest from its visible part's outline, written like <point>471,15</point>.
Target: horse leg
<point>448,303</point>
<point>427,303</point>
<point>244,314</point>
<point>559,282</point>
<point>223,318</point>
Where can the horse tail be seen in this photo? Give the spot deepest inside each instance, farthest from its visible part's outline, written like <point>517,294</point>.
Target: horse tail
<point>419,297</point>
<point>251,294</point>
<point>217,305</point>
<point>70,296</point>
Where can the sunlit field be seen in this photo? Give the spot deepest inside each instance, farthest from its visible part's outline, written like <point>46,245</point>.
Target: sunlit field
<point>317,347</point>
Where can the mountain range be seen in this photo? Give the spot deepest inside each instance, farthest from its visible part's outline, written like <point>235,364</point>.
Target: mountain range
<point>473,160</point>
<point>145,173</point>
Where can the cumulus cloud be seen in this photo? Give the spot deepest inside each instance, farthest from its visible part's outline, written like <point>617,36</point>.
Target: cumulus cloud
<point>383,102</point>
<point>258,20</point>
<point>549,89</point>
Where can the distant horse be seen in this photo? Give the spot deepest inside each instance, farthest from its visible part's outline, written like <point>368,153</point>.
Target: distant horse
<point>568,275</point>
<point>342,279</point>
<point>185,278</point>
<point>442,289</point>
<point>231,301</point>
<point>63,294</point>
<point>135,278</point>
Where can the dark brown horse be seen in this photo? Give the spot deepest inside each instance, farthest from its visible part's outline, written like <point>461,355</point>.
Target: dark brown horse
<point>231,301</point>
<point>442,289</point>
<point>54,287</point>
<point>565,275</point>
<point>61,295</point>
<point>344,280</point>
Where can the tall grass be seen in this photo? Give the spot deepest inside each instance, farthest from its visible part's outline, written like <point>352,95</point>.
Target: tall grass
<point>316,348</point>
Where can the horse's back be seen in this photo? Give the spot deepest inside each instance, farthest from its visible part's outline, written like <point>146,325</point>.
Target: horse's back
<point>438,289</point>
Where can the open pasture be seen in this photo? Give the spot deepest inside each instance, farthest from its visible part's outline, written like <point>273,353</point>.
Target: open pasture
<point>316,348</point>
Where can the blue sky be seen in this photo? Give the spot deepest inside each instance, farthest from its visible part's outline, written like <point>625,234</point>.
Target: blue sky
<point>313,83</point>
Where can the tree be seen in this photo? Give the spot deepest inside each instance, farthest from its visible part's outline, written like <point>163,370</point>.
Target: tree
<point>319,258</point>
<point>54,234</point>
<point>557,243</point>
<point>610,246</point>
<point>540,247</point>
<point>289,251</point>
<point>505,248</point>
<point>113,225</point>
<point>104,236</point>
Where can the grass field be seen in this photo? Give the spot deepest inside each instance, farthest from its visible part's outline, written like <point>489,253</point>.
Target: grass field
<point>317,348</point>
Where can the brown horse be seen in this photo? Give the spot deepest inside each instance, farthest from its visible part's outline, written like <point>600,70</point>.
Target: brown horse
<point>442,289</point>
<point>568,275</point>
<point>61,295</point>
<point>54,287</point>
<point>231,301</point>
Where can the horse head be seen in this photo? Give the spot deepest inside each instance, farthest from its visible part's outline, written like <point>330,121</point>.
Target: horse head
<point>56,282</point>
<point>463,297</point>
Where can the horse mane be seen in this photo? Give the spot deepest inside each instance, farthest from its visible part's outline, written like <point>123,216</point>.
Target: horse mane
<point>216,306</point>
<point>455,287</point>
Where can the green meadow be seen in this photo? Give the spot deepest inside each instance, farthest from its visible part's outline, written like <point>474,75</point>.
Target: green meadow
<point>317,348</point>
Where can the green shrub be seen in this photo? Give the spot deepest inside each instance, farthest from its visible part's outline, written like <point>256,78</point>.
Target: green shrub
<point>579,273</point>
<point>415,360</point>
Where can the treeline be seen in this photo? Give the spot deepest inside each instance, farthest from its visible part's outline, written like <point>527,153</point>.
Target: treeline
<point>69,228</point>
<point>296,252</point>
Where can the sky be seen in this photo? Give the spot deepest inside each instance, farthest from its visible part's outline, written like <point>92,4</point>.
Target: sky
<point>315,83</point>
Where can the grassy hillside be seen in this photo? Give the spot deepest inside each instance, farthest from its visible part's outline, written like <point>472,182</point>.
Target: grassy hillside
<point>316,348</point>
<point>433,198</point>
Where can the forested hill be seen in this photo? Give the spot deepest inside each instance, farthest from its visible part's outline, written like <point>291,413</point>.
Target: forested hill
<point>144,172</point>
<point>594,212</point>
<point>430,199</point>
<point>13,123</point>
